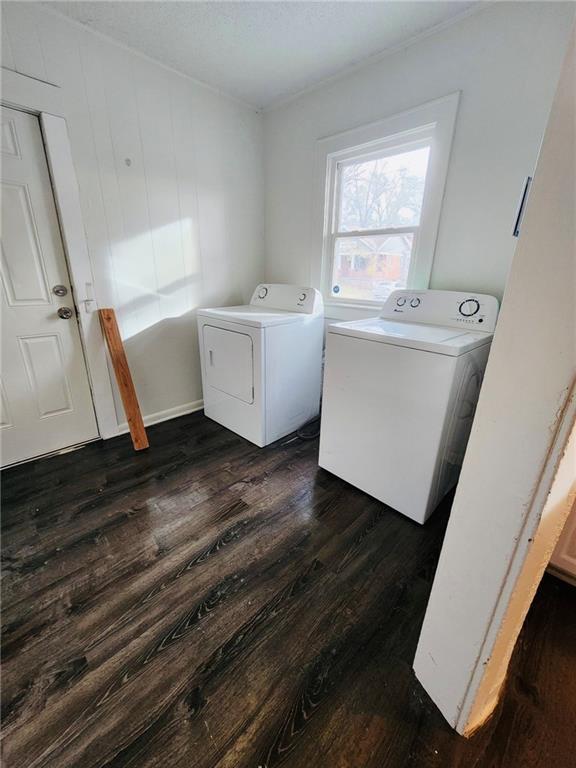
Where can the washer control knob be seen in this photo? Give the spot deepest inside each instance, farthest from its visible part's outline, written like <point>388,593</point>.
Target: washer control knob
<point>415,302</point>
<point>302,297</point>
<point>469,307</point>
<point>400,301</point>
<point>263,292</point>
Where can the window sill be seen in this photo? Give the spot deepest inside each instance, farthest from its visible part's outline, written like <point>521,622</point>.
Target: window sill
<point>342,310</point>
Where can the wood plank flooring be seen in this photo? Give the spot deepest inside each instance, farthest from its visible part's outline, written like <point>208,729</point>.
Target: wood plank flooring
<point>208,603</point>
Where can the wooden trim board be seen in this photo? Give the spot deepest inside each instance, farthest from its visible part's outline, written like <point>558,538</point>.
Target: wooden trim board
<point>123,378</point>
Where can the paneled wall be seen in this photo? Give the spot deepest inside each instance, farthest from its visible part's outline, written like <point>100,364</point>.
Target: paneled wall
<point>170,176</point>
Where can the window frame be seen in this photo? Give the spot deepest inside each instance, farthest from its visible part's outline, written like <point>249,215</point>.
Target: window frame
<point>384,148</point>
<point>431,124</point>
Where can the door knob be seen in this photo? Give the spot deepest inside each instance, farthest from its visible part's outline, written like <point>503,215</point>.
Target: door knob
<point>65,313</point>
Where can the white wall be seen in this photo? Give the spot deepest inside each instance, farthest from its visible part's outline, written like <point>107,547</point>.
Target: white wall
<point>504,521</point>
<point>506,61</point>
<point>178,227</point>
<point>182,225</point>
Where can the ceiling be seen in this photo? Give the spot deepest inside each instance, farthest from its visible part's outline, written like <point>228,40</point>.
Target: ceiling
<point>262,52</point>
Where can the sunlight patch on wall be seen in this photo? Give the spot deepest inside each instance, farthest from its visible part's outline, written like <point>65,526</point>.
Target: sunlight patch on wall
<point>156,275</point>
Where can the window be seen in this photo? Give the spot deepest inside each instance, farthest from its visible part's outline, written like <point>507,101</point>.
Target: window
<point>376,222</point>
<point>382,204</point>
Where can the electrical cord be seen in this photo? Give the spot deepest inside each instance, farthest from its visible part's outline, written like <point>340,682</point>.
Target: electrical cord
<point>310,430</point>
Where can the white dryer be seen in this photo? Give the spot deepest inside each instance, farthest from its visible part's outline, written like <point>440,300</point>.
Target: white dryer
<point>262,362</point>
<point>400,392</point>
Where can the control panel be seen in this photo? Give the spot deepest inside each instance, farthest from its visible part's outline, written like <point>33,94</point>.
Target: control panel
<point>447,308</point>
<point>290,298</point>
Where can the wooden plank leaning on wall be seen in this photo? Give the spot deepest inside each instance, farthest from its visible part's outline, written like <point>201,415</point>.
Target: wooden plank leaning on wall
<point>123,378</point>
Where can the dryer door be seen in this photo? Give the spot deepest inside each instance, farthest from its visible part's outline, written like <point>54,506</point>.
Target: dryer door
<point>229,362</point>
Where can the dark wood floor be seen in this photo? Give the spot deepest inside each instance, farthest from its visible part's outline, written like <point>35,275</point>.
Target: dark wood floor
<point>207,603</point>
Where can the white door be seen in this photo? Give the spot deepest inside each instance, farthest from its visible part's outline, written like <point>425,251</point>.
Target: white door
<point>229,361</point>
<point>563,490</point>
<point>564,556</point>
<point>46,403</point>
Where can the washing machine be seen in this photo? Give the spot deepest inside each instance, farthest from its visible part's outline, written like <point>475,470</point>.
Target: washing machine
<point>400,392</point>
<point>262,362</point>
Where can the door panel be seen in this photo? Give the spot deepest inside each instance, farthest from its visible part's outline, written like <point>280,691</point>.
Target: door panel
<point>45,367</point>
<point>22,265</point>
<point>9,136</point>
<point>229,361</point>
<point>46,399</point>
<point>5,418</point>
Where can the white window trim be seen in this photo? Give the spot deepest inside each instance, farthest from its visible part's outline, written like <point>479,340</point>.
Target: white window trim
<point>432,122</point>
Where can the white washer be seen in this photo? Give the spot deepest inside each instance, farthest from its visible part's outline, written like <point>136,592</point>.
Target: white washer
<point>262,363</point>
<point>400,392</point>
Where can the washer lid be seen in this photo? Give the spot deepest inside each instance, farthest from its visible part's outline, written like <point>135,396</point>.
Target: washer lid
<point>431,338</point>
<point>257,317</point>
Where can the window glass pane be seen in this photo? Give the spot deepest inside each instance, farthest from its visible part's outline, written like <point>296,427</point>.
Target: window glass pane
<point>384,192</point>
<point>370,267</point>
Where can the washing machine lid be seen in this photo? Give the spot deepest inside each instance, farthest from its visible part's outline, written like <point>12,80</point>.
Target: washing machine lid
<point>256,317</point>
<point>430,338</point>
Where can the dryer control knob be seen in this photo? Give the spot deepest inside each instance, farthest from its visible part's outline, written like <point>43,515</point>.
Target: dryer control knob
<point>262,293</point>
<point>400,301</point>
<point>415,302</point>
<point>302,297</point>
<point>469,307</point>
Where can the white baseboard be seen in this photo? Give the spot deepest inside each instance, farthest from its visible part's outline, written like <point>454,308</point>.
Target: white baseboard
<point>570,578</point>
<point>169,413</point>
